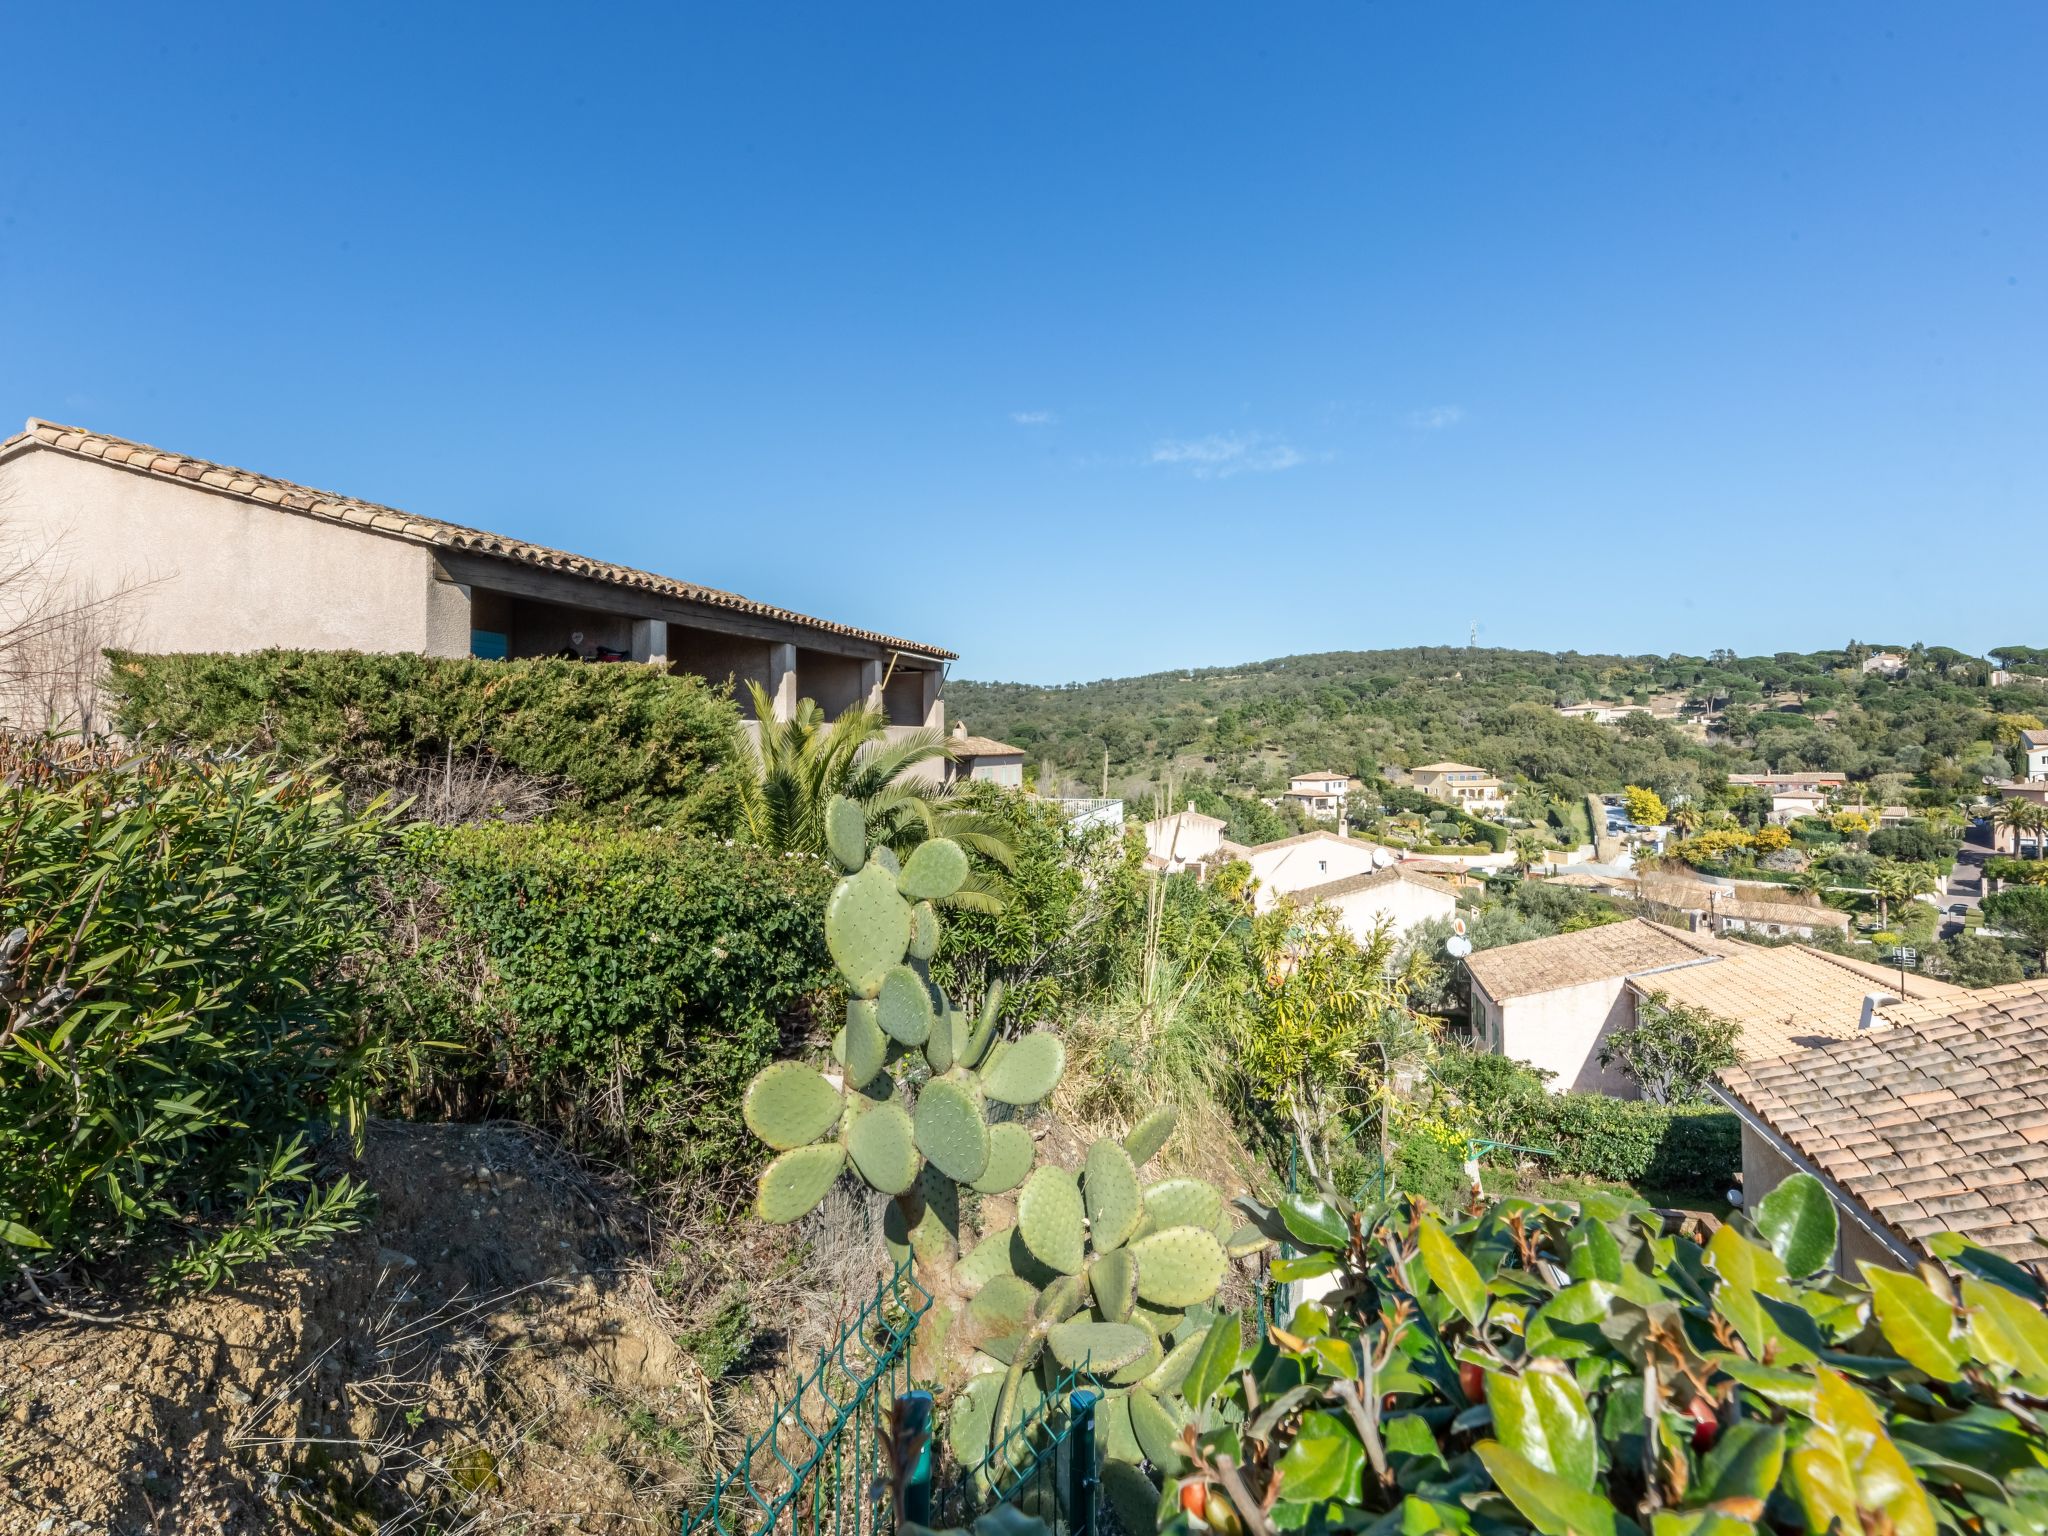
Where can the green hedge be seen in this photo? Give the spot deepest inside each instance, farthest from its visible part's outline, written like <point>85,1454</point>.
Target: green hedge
<point>606,736</point>
<point>1689,1150</point>
<point>621,985</point>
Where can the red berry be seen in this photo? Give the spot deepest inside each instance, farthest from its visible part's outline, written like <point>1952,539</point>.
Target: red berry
<point>1706,1425</point>
<point>1194,1497</point>
<point>1473,1379</point>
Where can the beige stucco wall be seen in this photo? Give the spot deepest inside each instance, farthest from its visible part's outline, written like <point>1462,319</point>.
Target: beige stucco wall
<point>1402,904</point>
<point>1560,1031</point>
<point>1009,774</point>
<point>212,573</point>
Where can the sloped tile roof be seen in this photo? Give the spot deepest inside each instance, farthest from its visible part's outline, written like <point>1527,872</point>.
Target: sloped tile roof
<point>1393,874</point>
<point>1937,1125</point>
<point>268,490</point>
<point>1782,912</point>
<point>982,746</point>
<point>1789,997</point>
<point>1571,959</point>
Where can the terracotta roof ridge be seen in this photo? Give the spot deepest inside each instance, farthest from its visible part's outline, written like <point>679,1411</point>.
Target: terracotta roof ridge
<point>291,496</point>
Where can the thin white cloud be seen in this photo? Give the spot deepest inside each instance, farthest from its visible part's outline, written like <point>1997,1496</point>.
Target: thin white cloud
<point>1223,454</point>
<point>1436,418</point>
<point>1033,418</point>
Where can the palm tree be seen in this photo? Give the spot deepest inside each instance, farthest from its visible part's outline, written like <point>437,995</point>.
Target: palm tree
<point>1686,818</point>
<point>806,760</point>
<point>2016,815</point>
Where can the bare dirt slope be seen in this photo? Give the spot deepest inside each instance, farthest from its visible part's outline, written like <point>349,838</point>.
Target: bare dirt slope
<point>488,1355</point>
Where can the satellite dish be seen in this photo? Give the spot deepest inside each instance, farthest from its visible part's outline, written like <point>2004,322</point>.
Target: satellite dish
<point>1457,946</point>
<point>1382,857</point>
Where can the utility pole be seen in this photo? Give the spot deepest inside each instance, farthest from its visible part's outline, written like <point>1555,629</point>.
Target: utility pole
<point>1105,772</point>
<point>1472,639</point>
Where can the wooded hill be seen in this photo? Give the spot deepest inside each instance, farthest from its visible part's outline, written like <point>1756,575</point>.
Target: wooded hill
<point>1942,725</point>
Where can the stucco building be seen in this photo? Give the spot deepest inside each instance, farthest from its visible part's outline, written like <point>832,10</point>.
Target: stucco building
<point>1395,896</point>
<point>210,558</point>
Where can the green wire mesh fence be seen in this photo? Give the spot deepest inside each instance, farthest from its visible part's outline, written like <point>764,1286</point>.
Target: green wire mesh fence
<point>1045,1465</point>
<point>822,1465</point>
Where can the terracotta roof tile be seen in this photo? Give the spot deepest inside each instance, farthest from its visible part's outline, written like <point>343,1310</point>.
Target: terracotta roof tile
<point>272,491</point>
<point>1959,1152</point>
<point>1393,874</point>
<point>1572,959</point>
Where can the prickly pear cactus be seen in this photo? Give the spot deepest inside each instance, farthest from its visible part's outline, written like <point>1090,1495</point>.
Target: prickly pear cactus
<point>1100,1269</point>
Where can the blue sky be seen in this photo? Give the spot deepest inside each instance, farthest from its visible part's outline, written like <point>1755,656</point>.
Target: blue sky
<point>1090,340</point>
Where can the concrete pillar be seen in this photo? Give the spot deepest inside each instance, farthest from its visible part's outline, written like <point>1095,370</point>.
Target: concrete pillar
<point>447,619</point>
<point>871,684</point>
<point>650,642</point>
<point>782,680</point>
<point>935,701</point>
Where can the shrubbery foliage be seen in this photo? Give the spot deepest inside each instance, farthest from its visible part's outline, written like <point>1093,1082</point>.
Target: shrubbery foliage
<point>174,1017</point>
<point>1593,1369</point>
<point>666,746</point>
<point>619,984</point>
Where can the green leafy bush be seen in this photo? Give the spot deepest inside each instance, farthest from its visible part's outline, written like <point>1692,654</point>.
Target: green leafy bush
<point>1692,1150</point>
<point>177,1020</point>
<point>1592,1368</point>
<point>2017,871</point>
<point>620,984</point>
<point>605,736</point>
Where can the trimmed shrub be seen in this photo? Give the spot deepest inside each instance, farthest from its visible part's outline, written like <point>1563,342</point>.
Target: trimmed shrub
<point>175,1018</point>
<point>1685,1150</point>
<point>604,736</point>
<point>621,985</point>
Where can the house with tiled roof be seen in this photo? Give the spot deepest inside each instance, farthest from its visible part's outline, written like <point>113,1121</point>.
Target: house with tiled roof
<point>985,759</point>
<point>1933,1120</point>
<point>1323,795</point>
<point>1469,788</point>
<point>213,558</point>
<point>1553,1002</point>
<point>2035,745</point>
<point>1395,896</point>
<point>1185,839</point>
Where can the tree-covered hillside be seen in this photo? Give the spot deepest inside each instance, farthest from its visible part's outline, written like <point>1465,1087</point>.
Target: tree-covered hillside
<point>1940,725</point>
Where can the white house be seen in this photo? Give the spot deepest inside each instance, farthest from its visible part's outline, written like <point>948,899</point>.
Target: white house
<point>1313,858</point>
<point>1322,795</point>
<point>1473,789</point>
<point>1885,664</point>
<point>2035,745</point>
<point>1184,839</point>
<point>1398,897</point>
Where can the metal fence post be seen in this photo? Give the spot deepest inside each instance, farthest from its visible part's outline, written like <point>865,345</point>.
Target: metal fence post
<point>1081,1480</point>
<point>911,1431</point>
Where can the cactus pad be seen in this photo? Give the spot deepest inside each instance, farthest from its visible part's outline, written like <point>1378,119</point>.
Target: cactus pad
<point>950,1130</point>
<point>1003,1306</point>
<point>973,1050</point>
<point>1167,1377</point>
<point>939,1045</point>
<point>1050,1216</point>
<point>789,1105</point>
<point>1150,1134</point>
<point>1110,1185</point>
<point>903,1007</point>
<point>797,1180</point>
<point>867,927</point>
<point>1060,1300</point>
<point>1184,1203</point>
<point>862,1047</point>
<point>987,1259</point>
<point>972,1417</point>
<point>1157,1433</point>
<point>1010,1155</point>
<point>1027,1071</point>
<point>1102,1347</point>
<point>1245,1240</point>
<point>1148,1362</point>
<point>883,1147</point>
<point>1133,1501</point>
<point>937,869</point>
<point>846,833</point>
<point>1113,1277</point>
<point>924,931</point>
<point>1179,1266</point>
<point>1119,1442</point>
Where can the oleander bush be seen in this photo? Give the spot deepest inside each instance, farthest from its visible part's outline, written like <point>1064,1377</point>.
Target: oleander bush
<point>1595,1369</point>
<point>617,984</point>
<point>177,1023</point>
<point>665,747</point>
